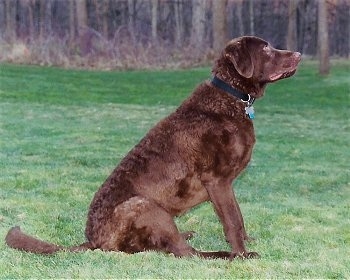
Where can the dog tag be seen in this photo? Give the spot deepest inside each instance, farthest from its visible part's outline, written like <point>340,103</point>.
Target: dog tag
<point>250,112</point>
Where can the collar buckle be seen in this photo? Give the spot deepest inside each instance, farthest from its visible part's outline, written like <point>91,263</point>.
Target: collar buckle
<point>250,100</point>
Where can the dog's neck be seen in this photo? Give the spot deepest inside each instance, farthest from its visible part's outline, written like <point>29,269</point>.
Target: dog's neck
<point>244,97</point>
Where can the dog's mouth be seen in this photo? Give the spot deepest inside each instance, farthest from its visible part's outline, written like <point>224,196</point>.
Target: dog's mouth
<point>284,75</point>
<point>290,68</point>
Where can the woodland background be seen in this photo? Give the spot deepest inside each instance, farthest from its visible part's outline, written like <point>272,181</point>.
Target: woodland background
<point>141,34</point>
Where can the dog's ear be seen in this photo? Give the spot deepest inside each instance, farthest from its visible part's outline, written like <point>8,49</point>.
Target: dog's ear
<point>238,53</point>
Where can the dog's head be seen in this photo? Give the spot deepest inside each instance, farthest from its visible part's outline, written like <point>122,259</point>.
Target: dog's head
<point>249,63</point>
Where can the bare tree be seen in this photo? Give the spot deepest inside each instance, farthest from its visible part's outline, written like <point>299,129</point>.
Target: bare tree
<point>251,17</point>
<point>102,16</point>
<point>71,21</point>
<point>239,10</point>
<point>198,21</point>
<point>10,11</point>
<point>81,13</point>
<point>45,18</point>
<point>219,24</point>
<point>179,22</point>
<point>323,44</point>
<point>82,24</point>
<point>132,15</point>
<point>154,5</point>
<point>292,25</point>
<point>28,5</point>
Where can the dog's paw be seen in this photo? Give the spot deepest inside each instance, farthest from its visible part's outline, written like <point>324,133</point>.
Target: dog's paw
<point>245,255</point>
<point>252,255</point>
<point>248,239</point>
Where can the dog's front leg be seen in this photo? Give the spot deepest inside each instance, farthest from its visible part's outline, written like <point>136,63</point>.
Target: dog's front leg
<point>224,201</point>
<point>238,209</point>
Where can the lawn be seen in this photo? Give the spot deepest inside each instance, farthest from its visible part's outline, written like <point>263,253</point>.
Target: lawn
<point>63,131</point>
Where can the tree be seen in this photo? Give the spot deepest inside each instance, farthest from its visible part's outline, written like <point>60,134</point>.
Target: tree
<point>292,25</point>
<point>71,21</point>
<point>28,7</point>
<point>82,24</point>
<point>251,17</point>
<point>102,16</point>
<point>349,34</point>
<point>10,11</point>
<point>81,13</point>
<point>239,10</point>
<point>45,18</point>
<point>132,15</point>
<point>323,44</point>
<point>154,5</point>
<point>179,23</point>
<point>219,24</point>
<point>198,22</point>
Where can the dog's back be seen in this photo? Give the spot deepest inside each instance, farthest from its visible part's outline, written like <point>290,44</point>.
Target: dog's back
<point>207,136</point>
<point>190,157</point>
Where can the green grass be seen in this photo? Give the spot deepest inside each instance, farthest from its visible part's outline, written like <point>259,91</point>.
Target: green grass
<point>62,132</point>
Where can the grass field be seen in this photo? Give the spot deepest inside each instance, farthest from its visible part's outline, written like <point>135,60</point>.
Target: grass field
<point>62,132</point>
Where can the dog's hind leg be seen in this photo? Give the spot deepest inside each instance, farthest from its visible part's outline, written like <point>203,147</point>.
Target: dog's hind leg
<point>159,232</point>
<point>140,224</point>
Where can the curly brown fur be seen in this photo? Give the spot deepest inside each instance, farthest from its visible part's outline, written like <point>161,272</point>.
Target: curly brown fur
<point>190,157</point>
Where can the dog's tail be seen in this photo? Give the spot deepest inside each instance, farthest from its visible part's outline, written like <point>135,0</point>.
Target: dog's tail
<point>16,239</point>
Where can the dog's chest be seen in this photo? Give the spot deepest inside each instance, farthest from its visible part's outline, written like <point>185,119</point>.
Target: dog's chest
<point>227,150</point>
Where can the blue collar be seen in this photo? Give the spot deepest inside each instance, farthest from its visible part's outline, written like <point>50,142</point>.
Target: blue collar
<point>244,97</point>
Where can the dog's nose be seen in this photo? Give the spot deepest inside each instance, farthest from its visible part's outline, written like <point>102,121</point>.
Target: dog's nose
<point>297,55</point>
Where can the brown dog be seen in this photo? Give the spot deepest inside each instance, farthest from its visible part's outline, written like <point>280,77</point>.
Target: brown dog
<point>190,157</point>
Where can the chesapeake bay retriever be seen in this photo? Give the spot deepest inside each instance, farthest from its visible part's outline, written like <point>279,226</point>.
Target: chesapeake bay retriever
<point>190,157</point>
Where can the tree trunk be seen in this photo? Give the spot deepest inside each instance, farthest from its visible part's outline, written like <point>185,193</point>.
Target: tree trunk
<point>292,42</point>
<point>105,19</point>
<point>101,7</point>
<point>131,9</point>
<point>71,21</point>
<point>154,5</point>
<point>239,10</point>
<point>82,24</point>
<point>251,17</point>
<point>29,6</point>
<point>219,24</point>
<point>198,22</point>
<point>179,28</point>
<point>349,33</point>
<point>10,12</point>
<point>323,44</point>
<point>45,18</point>
<point>81,13</point>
